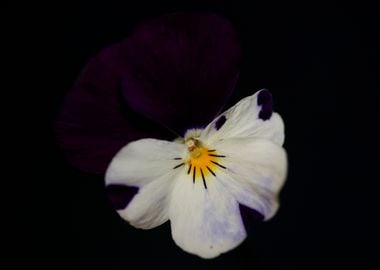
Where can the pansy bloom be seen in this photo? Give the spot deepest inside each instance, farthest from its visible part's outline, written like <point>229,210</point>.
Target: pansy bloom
<point>170,75</point>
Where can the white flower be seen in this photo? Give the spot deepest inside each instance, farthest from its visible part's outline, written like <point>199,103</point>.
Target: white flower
<point>198,182</point>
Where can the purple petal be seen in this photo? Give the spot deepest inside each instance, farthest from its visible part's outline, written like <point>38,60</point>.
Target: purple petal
<point>174,72</point>
<point>180,69</point>
<point>94,123</point>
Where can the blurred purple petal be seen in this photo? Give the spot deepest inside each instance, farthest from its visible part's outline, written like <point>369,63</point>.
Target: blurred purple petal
<point>94,123</point>
<point>180,69</point>
<point>175,71</point>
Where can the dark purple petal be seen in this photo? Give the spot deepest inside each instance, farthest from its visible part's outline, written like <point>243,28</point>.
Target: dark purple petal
<point>94,123</point>
<point>250,217</point>
<point>120,195</point>
<point>174,72</point>
<point>180,69</point>
<point>264,100</point>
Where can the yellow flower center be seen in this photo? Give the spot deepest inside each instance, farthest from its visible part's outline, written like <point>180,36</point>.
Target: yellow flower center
<point>202,161</point>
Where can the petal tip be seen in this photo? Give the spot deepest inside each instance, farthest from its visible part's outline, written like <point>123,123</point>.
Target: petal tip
<point>264,100</point>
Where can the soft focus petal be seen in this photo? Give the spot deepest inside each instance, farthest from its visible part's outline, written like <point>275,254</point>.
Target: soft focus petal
<point>255,174</point>
<point>147,164</point>
<point>205,222</point>
<point>94,123</point>
<point>180,68</point>
<point>250,117</point>
<point>177,70</point>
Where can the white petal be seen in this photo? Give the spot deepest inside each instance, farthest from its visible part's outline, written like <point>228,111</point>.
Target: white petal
<point>149,207</point>
<point>147,164</point>
<point>256,171</point>
<point>242,120</point>
<point>142,161</point>
<point>205,222</point>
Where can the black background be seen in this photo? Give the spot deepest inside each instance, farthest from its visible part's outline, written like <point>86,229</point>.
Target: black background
<point>319,62</point>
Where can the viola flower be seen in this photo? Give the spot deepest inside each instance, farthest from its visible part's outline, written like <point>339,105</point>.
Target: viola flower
<point>197,182</point>
<point>172,76</point>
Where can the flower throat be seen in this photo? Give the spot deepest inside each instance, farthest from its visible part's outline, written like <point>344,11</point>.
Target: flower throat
<point>201,161</point>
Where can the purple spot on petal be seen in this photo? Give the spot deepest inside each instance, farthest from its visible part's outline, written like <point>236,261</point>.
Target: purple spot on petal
<point>120,195</point>
<point>250,217</point>
<point>220,122</point>
<point>264,100</point>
